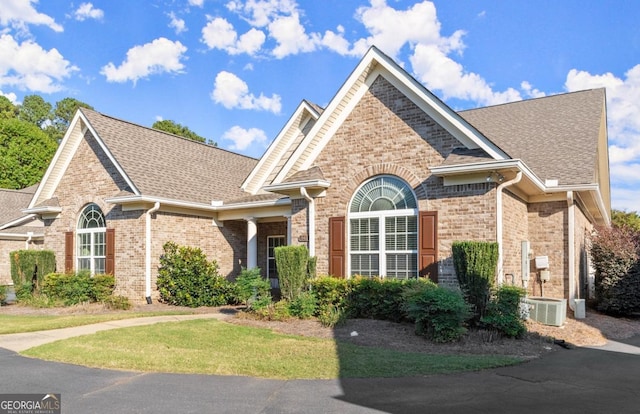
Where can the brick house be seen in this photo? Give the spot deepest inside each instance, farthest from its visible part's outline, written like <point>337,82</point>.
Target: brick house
<point>380,182</point>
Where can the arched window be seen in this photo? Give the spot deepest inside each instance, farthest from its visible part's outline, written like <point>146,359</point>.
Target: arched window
<point>91,240</point>
<point>383,229</point>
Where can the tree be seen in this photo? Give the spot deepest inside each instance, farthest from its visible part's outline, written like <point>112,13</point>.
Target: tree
<point>62,115</point>
<point>25,153</point>
<point>174,128</point>
<point>626,219</point>
<point>7,108</point>
<point>35,110</point>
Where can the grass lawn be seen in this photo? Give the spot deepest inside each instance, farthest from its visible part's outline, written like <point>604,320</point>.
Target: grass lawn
<point>214,347</point>
<point>31,323</point>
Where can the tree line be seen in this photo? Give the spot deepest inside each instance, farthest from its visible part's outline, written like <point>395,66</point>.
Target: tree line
<point>31,131</point>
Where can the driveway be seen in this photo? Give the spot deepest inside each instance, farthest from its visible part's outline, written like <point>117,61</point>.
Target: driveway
<point>582,380</point>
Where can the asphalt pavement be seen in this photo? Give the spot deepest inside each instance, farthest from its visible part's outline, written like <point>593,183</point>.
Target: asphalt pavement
<point>580,380</point>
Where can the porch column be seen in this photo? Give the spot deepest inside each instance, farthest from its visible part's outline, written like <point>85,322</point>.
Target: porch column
<point>252,242</point>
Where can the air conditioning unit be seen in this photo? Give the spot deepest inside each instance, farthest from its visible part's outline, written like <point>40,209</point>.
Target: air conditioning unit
<point>548,311</point>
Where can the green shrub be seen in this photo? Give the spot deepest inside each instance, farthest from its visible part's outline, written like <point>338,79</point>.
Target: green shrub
<point>70,288</point>
<point>74,288</point>
<point>28,268</point>
<point>3,295</point>
<point>615,253</point>
<point>475,264</point>
<point>253,288</point>
<point>376,298</point>
<point>311,267</point>
<point>292,264</point>
<point>278,311</point>
<point>439,313</point>
<point>102,287</point>
<point>503,312</point>
<point>331,291</point>
<point>117,302</point>
<point>304,306</point>
<point>331,315</point>
<point>187,278</point>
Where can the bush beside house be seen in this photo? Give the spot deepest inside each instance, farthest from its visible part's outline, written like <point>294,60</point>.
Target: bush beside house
<point>616,258</point>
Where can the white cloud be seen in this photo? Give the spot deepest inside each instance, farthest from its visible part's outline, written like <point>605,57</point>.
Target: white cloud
<point>197,3</point>
<point>10,96</point>
<point>232,92</point>
<point>291,36</point>
<point>20,13</point>
<point>177,23</point>
<point>220,34</point>
<point>260,13</point>
<point>160,56</point>
<point>439,72</point>
<point>243,138</point>
<point>87,11</point>
<point>530,91</point>
<point>28,66</point>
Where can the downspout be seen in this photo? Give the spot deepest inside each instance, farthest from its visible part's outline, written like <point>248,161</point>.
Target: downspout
<point>147,259</point>
<point>499,223</point>
<point>571,213</point>
<point>28,241</point>
<point>312,221</point>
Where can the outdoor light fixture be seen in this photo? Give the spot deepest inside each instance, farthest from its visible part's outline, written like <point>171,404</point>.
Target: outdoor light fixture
<point>495,176</point>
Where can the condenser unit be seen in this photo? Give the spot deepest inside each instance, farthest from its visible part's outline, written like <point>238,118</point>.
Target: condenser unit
<point>548,311</point>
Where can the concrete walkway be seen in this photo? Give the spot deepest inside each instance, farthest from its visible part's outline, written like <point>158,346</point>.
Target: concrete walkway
<point>19,342</point>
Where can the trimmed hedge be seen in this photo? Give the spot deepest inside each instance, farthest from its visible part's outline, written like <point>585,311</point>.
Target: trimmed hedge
<point>74,288</point>
<point>504,310</point>
<point>439,313</point>
<point>293,267</point>
<point>187,278</point>
<point>475,263</point>
<point>28,268</point>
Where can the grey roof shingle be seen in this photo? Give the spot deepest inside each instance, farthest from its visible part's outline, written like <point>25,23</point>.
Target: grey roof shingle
<point>556,136</point>
<point>461,156</point>
<point>313,173</point>
<point>167,166</point>
<point>12,202</point>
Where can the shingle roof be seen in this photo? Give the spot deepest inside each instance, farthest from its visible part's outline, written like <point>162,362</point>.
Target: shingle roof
<point>167,166</point>
<point>556,136</point>
<point>12,202</point>
<point>313,173</point>
<point>461,156</point>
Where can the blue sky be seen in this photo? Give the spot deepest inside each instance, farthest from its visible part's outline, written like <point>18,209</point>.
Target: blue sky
<point>233,71</point>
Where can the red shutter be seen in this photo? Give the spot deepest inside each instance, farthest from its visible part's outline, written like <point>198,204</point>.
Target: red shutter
<point>428,244</point>
<point>109,266</point>
<point>68,252</point>
<point>337,249</point>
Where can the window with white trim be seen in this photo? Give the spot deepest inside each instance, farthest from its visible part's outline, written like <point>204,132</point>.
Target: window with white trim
<point>91,241</point>
<point>383,229</point>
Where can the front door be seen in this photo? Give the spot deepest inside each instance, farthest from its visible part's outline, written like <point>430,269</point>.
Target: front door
<point>272,270</point>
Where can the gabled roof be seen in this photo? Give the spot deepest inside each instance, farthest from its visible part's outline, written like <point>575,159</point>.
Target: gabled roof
<point>281,149</point>
<point>154,164</point>
<point>556,136</point>
<point>301,153</point>
<point>12,202</point>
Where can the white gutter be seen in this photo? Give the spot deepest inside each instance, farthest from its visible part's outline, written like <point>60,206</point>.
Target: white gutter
<point>571,248</point>
<point>499,223</point>
<point>311,212</point>
<point>147,259</point>
<point>28,241</point>
<point>198,206</point>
